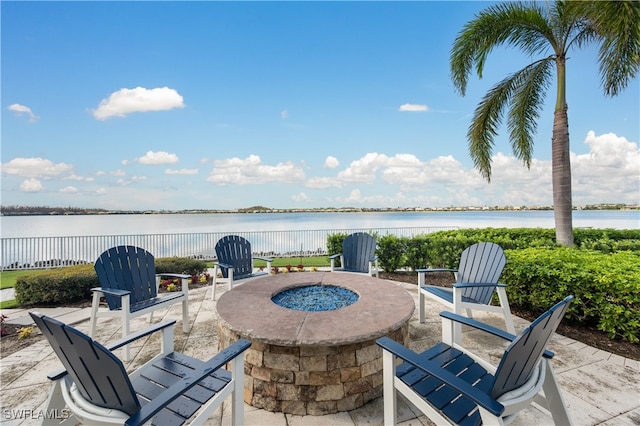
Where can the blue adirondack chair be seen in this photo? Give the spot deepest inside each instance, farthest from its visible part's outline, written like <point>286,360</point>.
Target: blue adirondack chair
<point>129,284</point>
<point>476,281</point>
<point>453,386</point>
<point>235,261</point>
<point>169,389</point>
<point>358,255</point>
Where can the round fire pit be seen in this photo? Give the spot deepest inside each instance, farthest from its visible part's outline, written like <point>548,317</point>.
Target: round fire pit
<point>313,362</point>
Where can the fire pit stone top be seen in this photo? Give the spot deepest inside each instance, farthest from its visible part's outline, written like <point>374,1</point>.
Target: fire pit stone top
<point>249,311</point>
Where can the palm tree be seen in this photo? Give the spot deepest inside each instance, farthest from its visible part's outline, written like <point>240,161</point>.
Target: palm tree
<point>548,31</point>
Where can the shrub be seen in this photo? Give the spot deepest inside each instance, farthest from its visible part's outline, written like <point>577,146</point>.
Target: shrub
<point>180,265</point>
<point>57,286</point>
<point>71,284</point>
<point>606,286</point>
<point>390,252</point>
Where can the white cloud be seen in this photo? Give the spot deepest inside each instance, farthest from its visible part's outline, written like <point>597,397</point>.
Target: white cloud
<point>118,172</point>
<point>331,162</point>
<point>69,189</point>
<point>31,185</point>
<point>35,167</point>
<point>300,197</point>
<point>284,114</point>
<point>101,191</point>
<point>23,110</point>
<point>156,158</point>
<point>413,108</point>
<point>251,171</point>
<point>181,172</point>
<point>323,182</point>
<point>127,101</point>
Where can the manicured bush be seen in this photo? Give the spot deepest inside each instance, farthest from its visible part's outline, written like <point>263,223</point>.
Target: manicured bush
<point>56,286</point>
<point>180,265</point>
<point>71,284</point>
<point>606,286</point>
<point>391,251</point>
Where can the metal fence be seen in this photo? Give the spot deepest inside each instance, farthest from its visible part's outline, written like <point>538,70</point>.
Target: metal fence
<point>51,252</point>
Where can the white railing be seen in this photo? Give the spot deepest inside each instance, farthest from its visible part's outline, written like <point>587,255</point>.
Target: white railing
<point>51,252</point>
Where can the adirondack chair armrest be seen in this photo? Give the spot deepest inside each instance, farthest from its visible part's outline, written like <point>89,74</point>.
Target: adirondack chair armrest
<point>111,291</point>
<point>161,326</point>
<point>334,256</point>
<point>222,265</point>
<point>469,285</point>
<point>160,402</point>
<point>486,328</point>
<point>265,259</point>
<point>427,270</point>
<point>476,395</point>
<point>167,274</point>
<point>373,258</point>
<point>58,374</point>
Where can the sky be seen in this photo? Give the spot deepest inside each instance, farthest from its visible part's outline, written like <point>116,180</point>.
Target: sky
<point>227,105</point>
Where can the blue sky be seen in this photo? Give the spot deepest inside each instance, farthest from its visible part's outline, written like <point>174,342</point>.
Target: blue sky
<point>224,105</point>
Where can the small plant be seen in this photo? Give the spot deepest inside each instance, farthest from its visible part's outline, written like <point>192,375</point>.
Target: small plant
<point>314,268</point>
<point>3,331</point>
<point>274,270</point>
<point>300,267</point>
<point>172,287</point>
<point>25,332</point>
<point>288,268</point>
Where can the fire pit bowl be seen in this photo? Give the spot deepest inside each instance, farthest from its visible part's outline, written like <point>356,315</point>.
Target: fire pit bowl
<point>313,362</point>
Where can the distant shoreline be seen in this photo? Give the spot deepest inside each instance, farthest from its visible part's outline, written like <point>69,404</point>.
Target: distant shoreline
<point>68,211</point>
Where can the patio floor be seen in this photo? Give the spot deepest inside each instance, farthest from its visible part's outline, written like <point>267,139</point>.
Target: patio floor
<point>599,388</point>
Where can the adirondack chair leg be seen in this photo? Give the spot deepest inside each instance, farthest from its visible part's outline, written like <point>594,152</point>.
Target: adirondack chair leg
<point>55,403</point>
<point>457,305</point>
<point>388,389</point>
<point>268,267</point>
<point>230,278</point>
<point>552,399</point>
<point>237,397</point>
<point>333,265</point>
<point>95,304</point>
<point>126,308</point>
<point>215,281</point>
<point>185,306</point>
<point>504,303</point>
<point>421,279</point>
<point>489,419</point>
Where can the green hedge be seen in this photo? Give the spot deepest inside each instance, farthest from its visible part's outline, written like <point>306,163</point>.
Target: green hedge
<point>57,286</point>
<point>74,283</point>
<point>606,286</point>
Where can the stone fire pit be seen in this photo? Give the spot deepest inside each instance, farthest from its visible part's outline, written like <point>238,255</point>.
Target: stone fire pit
<point>313,363</point>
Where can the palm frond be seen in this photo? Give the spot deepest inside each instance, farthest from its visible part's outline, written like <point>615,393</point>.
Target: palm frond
<point>530,88</point>
<point>520,25</point>
<point>484,126</point>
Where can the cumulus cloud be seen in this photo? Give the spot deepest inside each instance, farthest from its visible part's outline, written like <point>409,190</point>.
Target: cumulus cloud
<point>69,190</point>
<point>181,172</point>
<point>35,167</point>
<point>251,171</point>
<point>323,182</point>
<point>300,197</point>
<point>127,101</point>
<point>284,114</point>
<point>31,185</point>
<point>413,108</point>
<point>331,162</point>
<point>23,110</point>
<point>156,158</point>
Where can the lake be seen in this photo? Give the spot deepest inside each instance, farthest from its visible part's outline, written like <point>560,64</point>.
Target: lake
<point>90,225</point>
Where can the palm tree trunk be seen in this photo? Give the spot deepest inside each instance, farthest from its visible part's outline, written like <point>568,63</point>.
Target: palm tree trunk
<point>561,178</point>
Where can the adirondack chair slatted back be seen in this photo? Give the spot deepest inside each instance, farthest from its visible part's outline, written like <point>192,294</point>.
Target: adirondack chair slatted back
<point>127,268</point>
<point>234,250</point>
<point>357,249</point>
<point>481,263</point>
<point>98,374</point>
<point>523,354</point>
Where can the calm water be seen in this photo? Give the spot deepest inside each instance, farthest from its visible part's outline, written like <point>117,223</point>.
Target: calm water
<point>57,226</point>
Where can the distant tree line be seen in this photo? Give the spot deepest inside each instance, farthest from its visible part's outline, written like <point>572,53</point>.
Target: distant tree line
<point>44,210</point>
